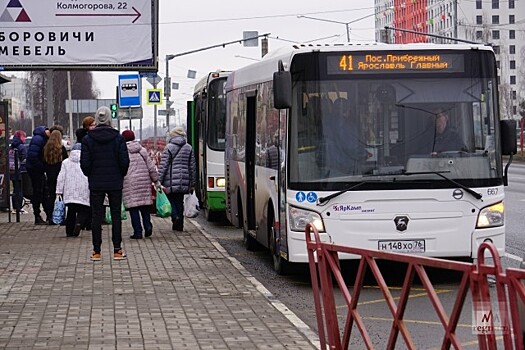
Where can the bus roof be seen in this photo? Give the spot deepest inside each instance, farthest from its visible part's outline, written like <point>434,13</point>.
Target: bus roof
<point>205,80</point>
<point>263,70</point>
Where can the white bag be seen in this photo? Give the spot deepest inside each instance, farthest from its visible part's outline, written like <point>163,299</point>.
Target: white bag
<point>191,205</point>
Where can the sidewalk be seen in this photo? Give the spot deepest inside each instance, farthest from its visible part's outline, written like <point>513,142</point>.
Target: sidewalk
<point>174,291</point>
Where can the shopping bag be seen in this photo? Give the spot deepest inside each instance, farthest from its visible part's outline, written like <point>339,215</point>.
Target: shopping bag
<point>191,205</point>
<point>59,211</point>
<point>123,215</point>
<point>162,204</point>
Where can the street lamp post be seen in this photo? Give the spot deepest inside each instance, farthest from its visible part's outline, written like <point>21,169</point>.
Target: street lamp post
<point>347,24</point>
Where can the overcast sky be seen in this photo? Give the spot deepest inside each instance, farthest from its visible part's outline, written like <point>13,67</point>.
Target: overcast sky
<point>190,25</point>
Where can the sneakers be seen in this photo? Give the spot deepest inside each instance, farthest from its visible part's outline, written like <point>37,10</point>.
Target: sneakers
<point>119,255</point>
<point>148,232</point>
<point>135,236</point>
<point>96,256</point>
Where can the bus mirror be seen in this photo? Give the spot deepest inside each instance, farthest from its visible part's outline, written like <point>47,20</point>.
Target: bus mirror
<point>282,89</point>
<point>508,137</point>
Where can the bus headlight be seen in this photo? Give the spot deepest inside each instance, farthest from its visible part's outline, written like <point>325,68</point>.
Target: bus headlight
<point>221,182</point>
<point>491,216</point>
<point>300,217</point>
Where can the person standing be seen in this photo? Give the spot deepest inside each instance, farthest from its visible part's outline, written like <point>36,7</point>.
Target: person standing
<point>35,169</point>
<point>104,160</point>
<point>73,186</point>
<point>88,123</point>
<point>136,194</point>
<point>54,154</point>
<point>17,149</point>
<point>177,173</point>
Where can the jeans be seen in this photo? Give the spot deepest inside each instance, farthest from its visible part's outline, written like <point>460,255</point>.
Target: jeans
<point>76,214</point>
<point>97,206</point>
<point>135,214</point>
<point>177,210</point>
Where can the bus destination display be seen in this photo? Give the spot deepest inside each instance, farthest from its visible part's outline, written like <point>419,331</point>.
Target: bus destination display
<point>392,62</point>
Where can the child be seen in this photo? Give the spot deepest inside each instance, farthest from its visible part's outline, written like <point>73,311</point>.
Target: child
<point>73,185</point>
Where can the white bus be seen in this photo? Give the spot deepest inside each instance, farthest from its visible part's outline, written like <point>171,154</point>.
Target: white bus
<point>390,147</point>
<point>206,129</point>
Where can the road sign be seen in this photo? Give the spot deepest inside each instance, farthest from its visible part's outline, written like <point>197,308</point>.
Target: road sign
<point>124,113</point>
<point>129,90</point>
<point>154,96</point>
<point>154,80</point>
<point>163,111</point>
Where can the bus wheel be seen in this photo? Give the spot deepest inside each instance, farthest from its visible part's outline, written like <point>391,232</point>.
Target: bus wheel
<point>280,265</point>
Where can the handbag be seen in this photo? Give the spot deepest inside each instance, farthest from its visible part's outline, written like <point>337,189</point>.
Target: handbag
<point>162,204</point>
<point>123,215</point>
<point>191,205</point>
<point>59,211</point>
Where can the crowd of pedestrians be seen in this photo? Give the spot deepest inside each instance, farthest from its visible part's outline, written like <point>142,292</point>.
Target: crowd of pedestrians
<point>103,169</point>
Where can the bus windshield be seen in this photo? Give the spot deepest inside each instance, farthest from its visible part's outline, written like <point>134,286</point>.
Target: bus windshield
<point>349,128</point>
<point>216,114</point>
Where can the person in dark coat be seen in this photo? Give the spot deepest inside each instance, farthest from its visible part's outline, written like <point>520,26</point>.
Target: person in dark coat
<point>446,139</point>
<point>104,160</point>
<point>35,169</point>
<point>177,173</point>
<point>18,145</point>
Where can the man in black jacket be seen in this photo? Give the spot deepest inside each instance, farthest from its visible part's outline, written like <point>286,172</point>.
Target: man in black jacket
<point>104,160</point>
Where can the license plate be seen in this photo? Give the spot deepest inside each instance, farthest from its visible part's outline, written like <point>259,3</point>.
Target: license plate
<point>402,246</point>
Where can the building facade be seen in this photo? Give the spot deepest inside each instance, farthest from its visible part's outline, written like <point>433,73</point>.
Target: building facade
<point>500,23</point>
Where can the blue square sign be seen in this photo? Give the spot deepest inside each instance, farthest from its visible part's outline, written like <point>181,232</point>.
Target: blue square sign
<point>129,91</point>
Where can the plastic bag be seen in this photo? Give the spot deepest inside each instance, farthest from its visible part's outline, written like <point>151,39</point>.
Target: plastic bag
<point>191,205</point>
<point>162,204</point>
<point>123,215</point>
<point>59,211</point>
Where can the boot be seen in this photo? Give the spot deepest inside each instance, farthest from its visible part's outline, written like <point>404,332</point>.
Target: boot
<point>178,225</point>
<point>39,220</point>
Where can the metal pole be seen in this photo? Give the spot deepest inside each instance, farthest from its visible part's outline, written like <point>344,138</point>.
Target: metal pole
<point>155,123</point>
<point>50,107</point>
<point>129,111</point>
<point>167,90</point>
<point>455,18</point>
<point>347,32</point>
<point>70,106</point>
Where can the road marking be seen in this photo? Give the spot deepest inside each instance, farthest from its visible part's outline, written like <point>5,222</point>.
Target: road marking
<point>436,323</point>
<point>416,295</point>
<point>513,257</point>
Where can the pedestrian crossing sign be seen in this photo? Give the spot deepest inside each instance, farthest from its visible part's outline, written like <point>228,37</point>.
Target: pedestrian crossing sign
<point>154,96</point>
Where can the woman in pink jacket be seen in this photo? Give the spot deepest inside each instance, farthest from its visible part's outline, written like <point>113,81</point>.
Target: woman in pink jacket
<point>136,194</point>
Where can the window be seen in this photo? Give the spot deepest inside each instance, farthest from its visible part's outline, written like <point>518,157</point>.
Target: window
<point>479,19</point>
<point>495,4</point>
<point>512,80</point>
<point>498,64</point>
<point>513,94</point>
<point>496,50</point>
<point>479,35</point>
<point>478,4</point>
<point>495,34</point>
<point>512,34</point>
<point>512,64</point>
<point>514,110</point>
<point>512,19</point>
<point>512,49</point>
<point>511,4</point>
<point>495,19</point>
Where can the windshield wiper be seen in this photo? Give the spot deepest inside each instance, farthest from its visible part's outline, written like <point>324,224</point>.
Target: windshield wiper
<point>323,200</point>
<point>440,174</point>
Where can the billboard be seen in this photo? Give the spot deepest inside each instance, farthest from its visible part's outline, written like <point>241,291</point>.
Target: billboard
<point>70,34</point>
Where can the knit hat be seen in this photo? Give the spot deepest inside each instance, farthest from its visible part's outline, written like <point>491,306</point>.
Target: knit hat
<point>129,135</point>
<point>178,131</point>
<point>103,116</point>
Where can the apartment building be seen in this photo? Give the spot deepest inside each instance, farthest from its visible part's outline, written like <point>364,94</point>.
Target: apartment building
<point>500,23</point>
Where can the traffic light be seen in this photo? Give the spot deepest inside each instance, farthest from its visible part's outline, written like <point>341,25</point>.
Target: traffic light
<point>114,111</point>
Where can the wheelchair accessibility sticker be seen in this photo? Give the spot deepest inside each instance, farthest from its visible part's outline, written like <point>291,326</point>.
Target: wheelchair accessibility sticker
<point>311,197</point>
